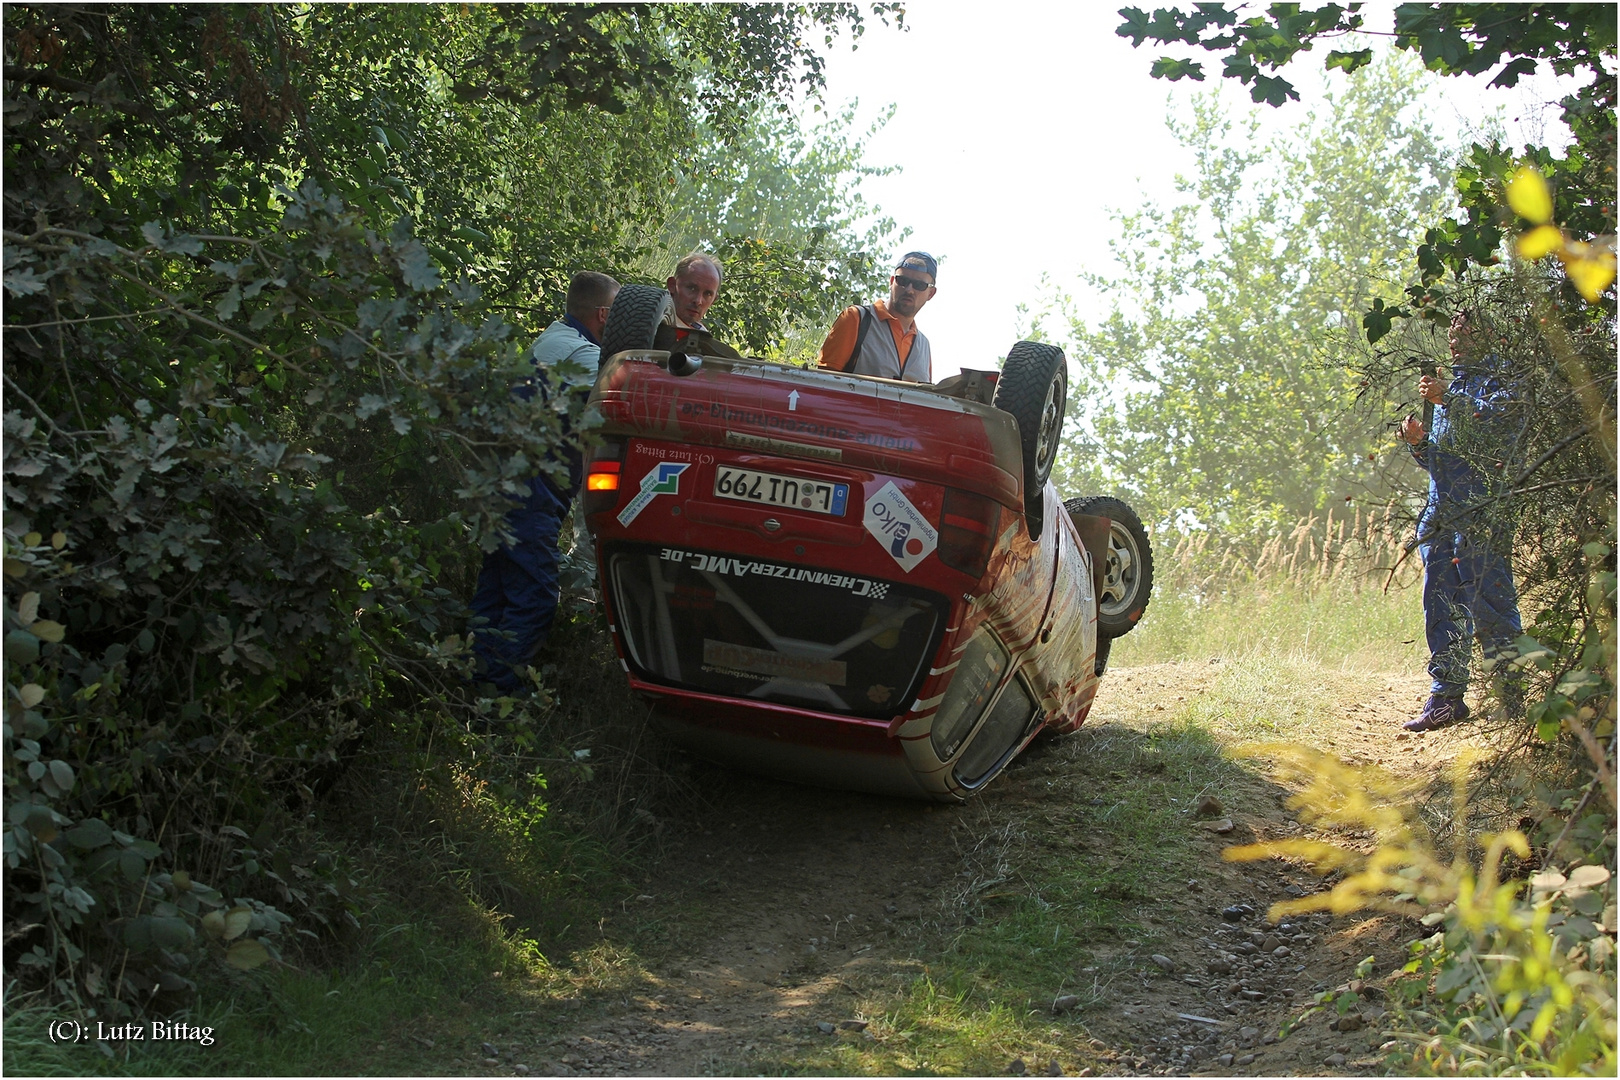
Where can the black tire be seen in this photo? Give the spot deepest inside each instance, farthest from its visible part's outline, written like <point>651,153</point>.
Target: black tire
<point>1127,575</point>
<point>1034,388</point>
<point>634,318</point>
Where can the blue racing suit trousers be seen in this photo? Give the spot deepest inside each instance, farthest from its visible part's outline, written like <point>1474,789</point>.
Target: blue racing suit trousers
<point>518,589</point>
<point>1467,591</point>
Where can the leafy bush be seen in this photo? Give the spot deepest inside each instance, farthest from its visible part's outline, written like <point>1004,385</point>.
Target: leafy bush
<point>1519,974</point>
<point>265,268</point>
<point>212,625</point>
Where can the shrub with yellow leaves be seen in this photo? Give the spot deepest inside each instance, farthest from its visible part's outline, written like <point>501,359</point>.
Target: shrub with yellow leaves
<point>1590,265</point>
<point>1518,976</point>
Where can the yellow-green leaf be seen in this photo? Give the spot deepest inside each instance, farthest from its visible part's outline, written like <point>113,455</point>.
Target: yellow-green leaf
<point>1527,194</point>
<point>246,955</point>
<point>46,630</point>
<point>181,880</point>
<point>32,539</point>
<point>32,694</point>
<point>15,568</point>
<point>237,920</point>
<point>1589,275</point>
<point>28,608</point>
<point>59,540</point>
<point>1539,241</point>
<point>213,924</point>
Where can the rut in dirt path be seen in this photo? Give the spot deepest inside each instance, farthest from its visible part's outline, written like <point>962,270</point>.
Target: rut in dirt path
<point>786,910</point>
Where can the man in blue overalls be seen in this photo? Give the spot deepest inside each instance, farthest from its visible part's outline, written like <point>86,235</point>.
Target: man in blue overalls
<point>517,586</point>
<point>1467,578</point>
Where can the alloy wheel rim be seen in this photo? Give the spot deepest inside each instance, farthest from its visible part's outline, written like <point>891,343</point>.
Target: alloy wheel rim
<point>1051,417</point>
<point>1121,570</point>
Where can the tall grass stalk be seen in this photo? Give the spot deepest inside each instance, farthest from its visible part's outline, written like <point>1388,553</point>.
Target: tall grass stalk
<point>1338,592</point>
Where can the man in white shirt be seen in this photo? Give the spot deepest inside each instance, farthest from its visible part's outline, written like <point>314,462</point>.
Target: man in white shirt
<point>517,585</point>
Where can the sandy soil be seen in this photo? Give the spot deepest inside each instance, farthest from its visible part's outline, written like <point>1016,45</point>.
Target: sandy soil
<point>823,894</point>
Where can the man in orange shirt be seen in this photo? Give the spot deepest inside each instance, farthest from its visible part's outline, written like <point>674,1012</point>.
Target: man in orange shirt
<point>883,339</point>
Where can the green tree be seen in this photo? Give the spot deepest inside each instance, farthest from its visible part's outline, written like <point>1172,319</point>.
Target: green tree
<point>271,273</point>
<point>1452,39</point>
<point>1230,336</point>
<point>1549,467</point>
<point>781,204</point>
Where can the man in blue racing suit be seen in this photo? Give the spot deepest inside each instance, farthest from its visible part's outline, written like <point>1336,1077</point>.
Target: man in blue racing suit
<point>517,586</point>
<point>1467,579</point>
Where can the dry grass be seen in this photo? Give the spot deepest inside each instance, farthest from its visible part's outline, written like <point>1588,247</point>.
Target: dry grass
<point>1334,593</point>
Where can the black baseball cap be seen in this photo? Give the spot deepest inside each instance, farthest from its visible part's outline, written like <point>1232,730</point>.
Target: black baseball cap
<point>919,260</point>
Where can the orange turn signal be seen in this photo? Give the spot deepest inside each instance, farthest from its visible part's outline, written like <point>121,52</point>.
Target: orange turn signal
<point>602,477</point>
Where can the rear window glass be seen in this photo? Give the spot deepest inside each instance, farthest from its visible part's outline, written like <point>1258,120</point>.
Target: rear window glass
<point>783,632</point>
<point>1005,726</point>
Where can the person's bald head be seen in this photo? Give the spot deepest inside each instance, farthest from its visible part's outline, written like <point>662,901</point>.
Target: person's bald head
<point>695,285</point>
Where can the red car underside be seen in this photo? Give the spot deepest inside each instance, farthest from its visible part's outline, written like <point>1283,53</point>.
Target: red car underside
<point>799,566</point>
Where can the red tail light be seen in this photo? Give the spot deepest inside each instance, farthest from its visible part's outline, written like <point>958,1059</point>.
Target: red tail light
<point>602,477</point>
<point>968,532</point>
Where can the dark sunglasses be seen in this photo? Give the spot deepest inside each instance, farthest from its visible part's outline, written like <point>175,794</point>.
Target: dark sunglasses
<point>913,283</point>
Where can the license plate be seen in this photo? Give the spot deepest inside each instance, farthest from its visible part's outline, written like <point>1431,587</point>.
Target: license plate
<point>772,489</point>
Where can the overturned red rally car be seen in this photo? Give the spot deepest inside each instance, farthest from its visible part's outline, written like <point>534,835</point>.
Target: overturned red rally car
<point>848,580</point>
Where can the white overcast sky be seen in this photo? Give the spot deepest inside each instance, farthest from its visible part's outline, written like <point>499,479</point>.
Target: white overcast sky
<point>1020,123</point>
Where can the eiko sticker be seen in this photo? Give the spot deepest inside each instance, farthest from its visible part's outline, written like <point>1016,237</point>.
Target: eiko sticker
<point>903,532</point>
<point>662,479</point>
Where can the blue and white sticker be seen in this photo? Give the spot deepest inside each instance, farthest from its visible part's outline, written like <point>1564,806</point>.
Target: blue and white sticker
<point>904,533</point>
<point>662,479</point>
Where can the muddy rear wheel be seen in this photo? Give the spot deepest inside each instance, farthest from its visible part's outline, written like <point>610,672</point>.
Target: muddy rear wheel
<point>634,318</point>
<point>1034,388</point>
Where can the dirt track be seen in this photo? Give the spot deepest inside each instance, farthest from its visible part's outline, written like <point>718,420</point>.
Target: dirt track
<point>819,897</point>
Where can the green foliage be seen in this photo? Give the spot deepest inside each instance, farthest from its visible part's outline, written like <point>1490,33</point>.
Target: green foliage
<point>1267,41</point>
<point>1579,663</point>
<point>780,204</point>
<point>1451,39</point>
<point>1231,335</point>
<point>213,608</point>
<point>1516,981</point>
<point>1548,473</point>
<point>612,55</point>
<point>269,282</point>
<point>1519,979</point>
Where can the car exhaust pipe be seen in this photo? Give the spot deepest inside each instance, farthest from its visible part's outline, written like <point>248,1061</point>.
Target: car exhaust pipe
<point>684,364</point>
